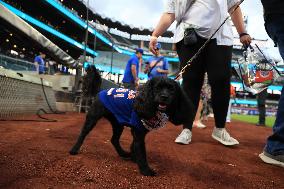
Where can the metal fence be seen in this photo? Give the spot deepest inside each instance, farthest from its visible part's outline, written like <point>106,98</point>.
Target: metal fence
<point>22,95</point>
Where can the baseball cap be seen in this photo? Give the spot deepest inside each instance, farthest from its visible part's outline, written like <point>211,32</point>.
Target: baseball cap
<point>139,50</point>
<point>158,46</point>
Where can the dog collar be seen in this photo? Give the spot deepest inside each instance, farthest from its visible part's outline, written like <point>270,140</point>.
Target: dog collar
<point>156,122</point>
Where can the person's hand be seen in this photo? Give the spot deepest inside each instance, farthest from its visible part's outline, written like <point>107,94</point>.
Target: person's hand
<point>245,39</point>
<point>152,44</point>
<point>136,83</point>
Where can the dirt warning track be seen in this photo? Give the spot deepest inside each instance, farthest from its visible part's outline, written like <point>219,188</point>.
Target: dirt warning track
<point>35,155</point>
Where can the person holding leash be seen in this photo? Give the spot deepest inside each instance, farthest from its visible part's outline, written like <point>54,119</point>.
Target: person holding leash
<point>197,21</point>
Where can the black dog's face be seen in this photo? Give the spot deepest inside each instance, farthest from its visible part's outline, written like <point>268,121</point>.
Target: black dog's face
<point>158,94</point>
<point>164,94</point>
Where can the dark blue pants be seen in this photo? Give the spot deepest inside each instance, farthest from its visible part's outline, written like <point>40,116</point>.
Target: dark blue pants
<point>275,143</point>
<point>261,101</point>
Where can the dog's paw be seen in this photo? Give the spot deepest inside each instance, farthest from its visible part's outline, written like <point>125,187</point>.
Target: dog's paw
<point>125,156</point>
<point>148,172</point>
<point>73,152</point>
<point>133,159</point>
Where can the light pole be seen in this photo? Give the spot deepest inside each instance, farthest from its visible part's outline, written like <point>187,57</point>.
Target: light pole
<point>78,69</point>
<point>87,33</point>
<point>95,42</point>
<point>111,62</point>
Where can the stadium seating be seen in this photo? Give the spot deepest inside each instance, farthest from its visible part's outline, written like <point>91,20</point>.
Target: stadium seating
<point>16,64</point>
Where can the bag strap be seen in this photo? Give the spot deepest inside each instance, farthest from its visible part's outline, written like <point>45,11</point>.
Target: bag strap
<point>186,9</point>
<point>245,48</point>
<point>159,60</point>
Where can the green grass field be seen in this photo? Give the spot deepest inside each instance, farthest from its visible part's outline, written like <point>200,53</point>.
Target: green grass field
<point>253,119</point>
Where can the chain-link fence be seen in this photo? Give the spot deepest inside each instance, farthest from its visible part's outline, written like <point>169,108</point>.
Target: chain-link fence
<point>22,95</point>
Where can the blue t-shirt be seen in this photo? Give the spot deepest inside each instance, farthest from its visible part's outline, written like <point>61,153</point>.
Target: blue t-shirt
<point>128,77</point>
<point>163,64</point>
<point>119,101</point>
<point>40,62</point>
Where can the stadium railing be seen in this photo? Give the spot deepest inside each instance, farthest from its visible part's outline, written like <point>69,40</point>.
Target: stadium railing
<point>16,64</point>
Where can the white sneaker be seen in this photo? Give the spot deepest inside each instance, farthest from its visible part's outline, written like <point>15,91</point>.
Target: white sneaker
<point>184,137</point>
<point>228,121</point>
<point>221,135</point>
<point>199,125</point>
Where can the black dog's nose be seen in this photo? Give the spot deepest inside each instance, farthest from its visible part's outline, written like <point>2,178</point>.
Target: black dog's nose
<point>164,97</point>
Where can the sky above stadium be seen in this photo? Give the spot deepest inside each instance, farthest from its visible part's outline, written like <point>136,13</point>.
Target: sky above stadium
<point>146,13</point>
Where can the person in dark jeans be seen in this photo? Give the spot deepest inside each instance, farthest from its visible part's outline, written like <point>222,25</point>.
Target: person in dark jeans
<point>261,101</point>
<point>273,152</point>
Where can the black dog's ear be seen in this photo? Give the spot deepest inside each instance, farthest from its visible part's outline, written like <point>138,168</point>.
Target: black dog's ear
<point>182,109</point>
<point>143,103</point>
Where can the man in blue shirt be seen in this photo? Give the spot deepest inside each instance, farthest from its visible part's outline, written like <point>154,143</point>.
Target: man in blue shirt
<point>157,65</point>
<point>39,62</point>
<point>130,78</point>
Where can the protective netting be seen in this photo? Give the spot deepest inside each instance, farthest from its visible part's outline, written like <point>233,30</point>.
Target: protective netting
<point>20,98</point>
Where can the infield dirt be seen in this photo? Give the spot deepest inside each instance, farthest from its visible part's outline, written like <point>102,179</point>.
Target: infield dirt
<point>35,155</point>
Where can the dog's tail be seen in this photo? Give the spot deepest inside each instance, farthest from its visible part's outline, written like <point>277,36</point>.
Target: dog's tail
<point>92,81</point>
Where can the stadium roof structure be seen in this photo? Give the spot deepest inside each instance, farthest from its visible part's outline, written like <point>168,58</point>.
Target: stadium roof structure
<point>13,22</point>
<point>64,26</point>
<point>110,22</point>
<point>70,42</point>
<point>105,37</point>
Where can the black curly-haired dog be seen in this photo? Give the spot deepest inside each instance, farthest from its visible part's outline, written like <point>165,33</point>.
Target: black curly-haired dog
<point>157,101</point>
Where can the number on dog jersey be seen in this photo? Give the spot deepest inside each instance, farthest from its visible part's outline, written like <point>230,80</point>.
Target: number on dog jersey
<point>121,93</point>
<point>120,103</point>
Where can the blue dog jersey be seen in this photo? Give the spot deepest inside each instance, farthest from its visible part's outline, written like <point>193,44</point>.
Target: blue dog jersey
<point>120,103</point>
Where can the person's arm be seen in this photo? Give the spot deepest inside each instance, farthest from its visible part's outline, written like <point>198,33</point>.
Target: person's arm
<point>134,74</point>
<point>166,66</point>
<point>237,18</point>
<point>36,64</point>
<point>133,71</point>
<point>162,71</point>
<point>165,69</point>
<point>164,23</point>
<point>140,64</point>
